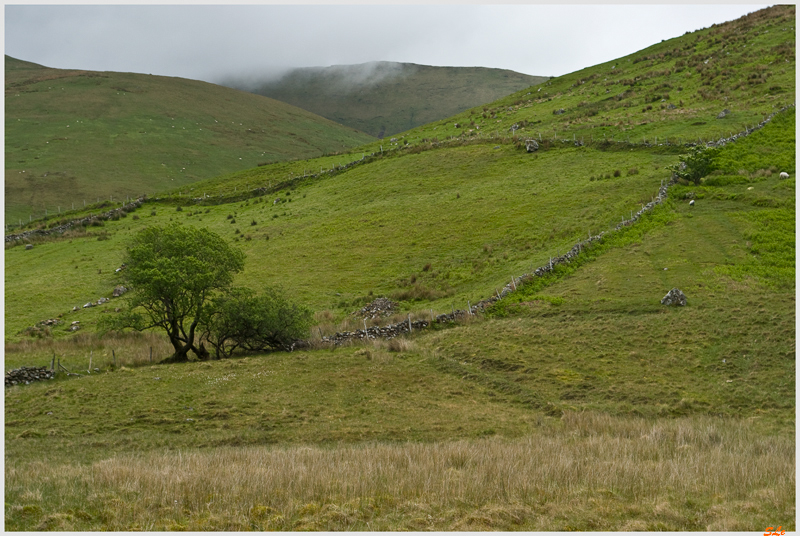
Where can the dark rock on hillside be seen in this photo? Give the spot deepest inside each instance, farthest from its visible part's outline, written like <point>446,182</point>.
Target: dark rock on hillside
<point>531,145</point>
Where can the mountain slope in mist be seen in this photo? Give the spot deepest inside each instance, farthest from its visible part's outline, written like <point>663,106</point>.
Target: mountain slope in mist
<point>384,98</point>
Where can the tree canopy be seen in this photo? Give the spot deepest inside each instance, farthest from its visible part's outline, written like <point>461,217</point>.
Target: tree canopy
<point>173,271</point>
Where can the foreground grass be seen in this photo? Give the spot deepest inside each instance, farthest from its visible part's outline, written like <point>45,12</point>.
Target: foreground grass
<point>582,472</point>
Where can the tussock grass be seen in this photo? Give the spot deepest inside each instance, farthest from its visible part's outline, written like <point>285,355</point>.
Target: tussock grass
<point>130,349</point>
<point>589,472</point>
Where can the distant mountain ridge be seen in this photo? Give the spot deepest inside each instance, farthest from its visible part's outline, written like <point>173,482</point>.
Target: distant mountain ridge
<point>384,98</point>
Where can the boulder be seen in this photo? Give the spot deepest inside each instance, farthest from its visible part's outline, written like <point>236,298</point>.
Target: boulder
<point>723,113</point>
<point>28,246</point>
<point>119,290</point>
<point>674,297</point>
<point>531,145</point>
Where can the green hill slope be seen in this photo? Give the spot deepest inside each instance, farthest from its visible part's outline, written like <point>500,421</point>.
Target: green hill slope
<point>384,98</point>
<point>80,135</point>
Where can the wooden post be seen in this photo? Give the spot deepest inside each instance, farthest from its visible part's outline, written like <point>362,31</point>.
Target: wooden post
<point>513,284</point>
<point>115,357</point>
<point>409,322</point>
<point>151,354</point>
<point>469,308</point>
<point>53,362</point>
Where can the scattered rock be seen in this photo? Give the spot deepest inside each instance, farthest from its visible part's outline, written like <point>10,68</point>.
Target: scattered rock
<point>378,308</point>
<point>723,113</point>
<point>119,290</point>
<point>674,297</point>
<point>559,111</point>
<point>28,246</point>
<point>90,304</point>
<point>531,145</point>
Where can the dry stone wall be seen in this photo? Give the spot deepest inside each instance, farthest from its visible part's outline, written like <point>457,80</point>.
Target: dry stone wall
<point>74,223</point>
<point>26,375</point>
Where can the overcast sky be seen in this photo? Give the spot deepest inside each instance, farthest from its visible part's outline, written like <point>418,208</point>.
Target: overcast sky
<point>211,42</point>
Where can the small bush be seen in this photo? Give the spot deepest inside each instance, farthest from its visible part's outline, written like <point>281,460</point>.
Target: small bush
<point>179,209</point>
<point>617,173</point>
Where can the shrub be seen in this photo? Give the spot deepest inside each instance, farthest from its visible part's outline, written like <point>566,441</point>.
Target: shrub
<point>242,319</point>
<point>179,209</point>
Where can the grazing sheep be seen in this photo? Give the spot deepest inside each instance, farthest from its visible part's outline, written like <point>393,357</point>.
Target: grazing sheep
<point>691,203</point>
<point>784,175</point>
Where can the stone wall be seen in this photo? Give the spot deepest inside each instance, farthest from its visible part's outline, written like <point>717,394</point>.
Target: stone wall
<point>20,237</point>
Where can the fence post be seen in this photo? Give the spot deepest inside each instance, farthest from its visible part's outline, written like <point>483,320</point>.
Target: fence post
<point>409,323</point>
<point>151,354</point>
<point>114,355</point>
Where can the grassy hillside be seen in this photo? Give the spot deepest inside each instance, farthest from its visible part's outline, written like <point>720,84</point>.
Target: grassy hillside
<point>74,136</point>
<point>578,402</point>
<point>384,98</point>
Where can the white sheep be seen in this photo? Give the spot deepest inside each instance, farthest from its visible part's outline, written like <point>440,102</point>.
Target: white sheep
<point>691,203</point>
<point>784,175</point>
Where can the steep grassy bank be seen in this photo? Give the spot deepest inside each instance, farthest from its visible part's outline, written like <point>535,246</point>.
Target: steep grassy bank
<point>480,215</point>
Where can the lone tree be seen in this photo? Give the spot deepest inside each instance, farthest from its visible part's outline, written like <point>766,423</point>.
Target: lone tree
<point>173,272</point>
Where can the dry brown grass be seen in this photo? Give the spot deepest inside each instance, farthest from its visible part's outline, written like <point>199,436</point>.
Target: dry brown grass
<point>594,473</point>
<point>130,350</point>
